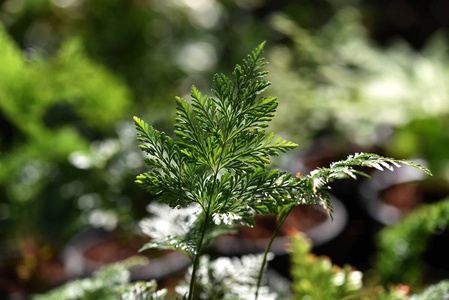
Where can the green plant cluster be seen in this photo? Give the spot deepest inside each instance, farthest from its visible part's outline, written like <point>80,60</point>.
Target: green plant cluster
<point>59,103</point>
<point>50,104</point>
<point>316,277</point>
<point>62,166</point>
<point>337,79</point>
<point>400,247</point>
<point>108,283</point>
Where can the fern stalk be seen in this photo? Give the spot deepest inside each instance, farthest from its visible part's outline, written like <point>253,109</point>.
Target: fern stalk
<point>280,221</point>
<point>196,261</point>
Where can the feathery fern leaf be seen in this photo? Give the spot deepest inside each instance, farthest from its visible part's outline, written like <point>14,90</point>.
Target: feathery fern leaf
<point>345,168</point>
<point>221,152</point>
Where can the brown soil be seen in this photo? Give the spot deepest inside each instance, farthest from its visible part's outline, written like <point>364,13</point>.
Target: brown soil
<point>301,218</point>
<point>114,250</point>
<point>405,197</point>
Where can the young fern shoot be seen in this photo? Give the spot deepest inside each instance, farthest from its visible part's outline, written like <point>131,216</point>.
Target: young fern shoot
<point>219,162</point>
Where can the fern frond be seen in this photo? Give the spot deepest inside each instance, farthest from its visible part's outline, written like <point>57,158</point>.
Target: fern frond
<point>237,99</point>
<point>215,135</point>
<point>345,168</point>
<point>170,174</point>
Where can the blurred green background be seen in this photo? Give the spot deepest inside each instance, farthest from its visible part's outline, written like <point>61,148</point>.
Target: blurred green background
<point>350,75</point>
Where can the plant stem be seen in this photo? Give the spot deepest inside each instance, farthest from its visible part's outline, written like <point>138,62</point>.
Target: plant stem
<point>196,261</point>
<point>281,220</point>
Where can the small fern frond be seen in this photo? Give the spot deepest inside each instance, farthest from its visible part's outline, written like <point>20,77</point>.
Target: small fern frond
<point>345,168</point>
<point>169,173</point>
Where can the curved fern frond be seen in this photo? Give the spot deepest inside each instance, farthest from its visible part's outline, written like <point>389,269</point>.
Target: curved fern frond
<point>345,168</point>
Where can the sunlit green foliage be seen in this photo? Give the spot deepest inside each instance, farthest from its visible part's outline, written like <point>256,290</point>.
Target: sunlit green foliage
<point>317,278</point>
<point>73,90</point>
<point>108,283</point>
<point>52,109</point>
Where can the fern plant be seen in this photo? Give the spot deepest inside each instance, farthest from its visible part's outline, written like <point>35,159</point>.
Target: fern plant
<point>220,160</point>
